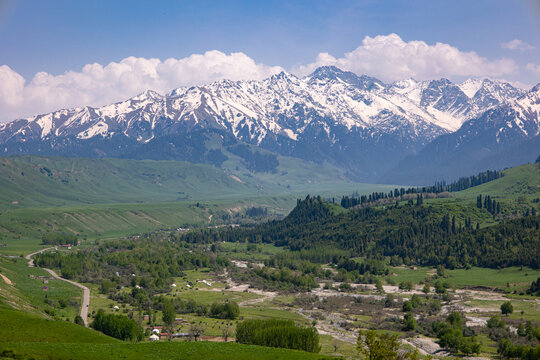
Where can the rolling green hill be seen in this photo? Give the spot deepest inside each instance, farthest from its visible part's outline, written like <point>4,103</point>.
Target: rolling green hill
<point>30,336</point>
<point>33,181</point>
<point>38,181</point>
<point>517,181</point>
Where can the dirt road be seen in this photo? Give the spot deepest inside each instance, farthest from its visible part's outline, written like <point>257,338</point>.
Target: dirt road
<point>86,292</point>
<point>6,279</point>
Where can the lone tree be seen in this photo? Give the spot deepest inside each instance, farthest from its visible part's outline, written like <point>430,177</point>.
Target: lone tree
<point>381,347</point>
<point>169,315</point>
<point>507,308</point>
<point>79,320</point>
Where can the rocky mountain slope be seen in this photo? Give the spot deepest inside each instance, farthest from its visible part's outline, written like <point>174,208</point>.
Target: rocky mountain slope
<point>500,137</point>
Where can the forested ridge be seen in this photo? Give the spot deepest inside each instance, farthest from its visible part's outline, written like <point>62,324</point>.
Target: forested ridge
<point>416,234</point>
<point>405,193</point>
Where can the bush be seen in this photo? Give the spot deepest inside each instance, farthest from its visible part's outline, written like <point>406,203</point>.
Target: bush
<point>228,310</point>
<point>79,320</point>
<point>278,333</point>
<point>507,308</point>
<point>407,306</point>
<point>496,322</point>
<point>410,322</point>
<point>405,285</point>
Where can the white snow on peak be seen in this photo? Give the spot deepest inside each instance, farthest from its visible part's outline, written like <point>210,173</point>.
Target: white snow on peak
<point>471,86</point>
<point>101,128</point>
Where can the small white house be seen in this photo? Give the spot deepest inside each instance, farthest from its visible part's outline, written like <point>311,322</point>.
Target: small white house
<point>154,337</point>
<point>116,308</point>
<point>188,286</point>
<point>173,285</point>
<point>155,331</point>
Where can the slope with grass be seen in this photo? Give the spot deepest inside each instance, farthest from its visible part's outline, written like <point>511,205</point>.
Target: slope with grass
<point>31,181</point>
<point>30,336</point>
<point>519,181</point>
<point>38,181</point>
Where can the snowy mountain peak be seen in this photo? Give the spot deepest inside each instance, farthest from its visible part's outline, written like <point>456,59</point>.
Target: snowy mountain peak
<point>404,84</point>
<point>147,95</point>
<point>471,86</point>
<point>325,74</point>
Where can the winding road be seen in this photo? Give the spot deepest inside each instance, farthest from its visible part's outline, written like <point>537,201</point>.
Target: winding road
<point>86,292</point>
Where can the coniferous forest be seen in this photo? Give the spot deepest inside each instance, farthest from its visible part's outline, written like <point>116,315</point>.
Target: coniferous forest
<point>422,235</point>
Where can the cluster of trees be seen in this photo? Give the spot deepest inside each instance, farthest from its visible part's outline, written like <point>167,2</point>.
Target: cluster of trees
<point>452,335</point>
<point>257,211</point>
<point>284,279</point>
<point>507,350</point>
<point>147,265</point>
<point>59,239</point>
<point>535,288</point>
<point>492,206</point>
<point>117,326</point>
<point>278,333</point>
<point>439,187</point>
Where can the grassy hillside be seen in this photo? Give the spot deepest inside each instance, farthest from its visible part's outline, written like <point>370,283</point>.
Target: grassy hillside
<point>29,335</point>
<point>518,181</point>
<point>18,326</point>
<point>163,350</point>
<point>38,181</point>
<point>51,181</point>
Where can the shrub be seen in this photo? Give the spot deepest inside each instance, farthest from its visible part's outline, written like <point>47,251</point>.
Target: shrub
<point>228,310</point>
<point>507,308</point>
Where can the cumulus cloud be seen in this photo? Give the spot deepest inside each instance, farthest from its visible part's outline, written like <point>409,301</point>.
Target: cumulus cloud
<point>533,68</point>
<point>389,58</point>
<point>97,85</point>
<point>517,44</point>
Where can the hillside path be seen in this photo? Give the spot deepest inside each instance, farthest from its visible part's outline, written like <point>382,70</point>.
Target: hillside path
<point>6,279</point>
<point>86,292</point>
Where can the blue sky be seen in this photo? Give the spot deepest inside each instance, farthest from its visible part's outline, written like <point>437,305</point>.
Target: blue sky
<point>61,36</point>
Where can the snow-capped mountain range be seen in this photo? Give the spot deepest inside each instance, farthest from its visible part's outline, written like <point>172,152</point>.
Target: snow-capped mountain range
<point>356,122</point>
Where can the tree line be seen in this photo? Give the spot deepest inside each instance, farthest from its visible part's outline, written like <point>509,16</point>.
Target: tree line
<point>439,187</point>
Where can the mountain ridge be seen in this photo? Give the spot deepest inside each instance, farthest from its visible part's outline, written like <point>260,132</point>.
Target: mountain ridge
<point>355,122</point>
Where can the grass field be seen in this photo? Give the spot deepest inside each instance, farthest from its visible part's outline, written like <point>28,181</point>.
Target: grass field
<point>30,291</point>
<point>516,277</point>
<point>531,309</point>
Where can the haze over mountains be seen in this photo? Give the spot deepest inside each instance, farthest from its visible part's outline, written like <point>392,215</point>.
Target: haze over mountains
<point>404,132</point>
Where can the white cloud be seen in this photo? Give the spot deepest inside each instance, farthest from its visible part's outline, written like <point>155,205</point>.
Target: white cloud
<point>98,85</point>
<point>517,44</point>
<point>533,68</point>
<point>389,58</point>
